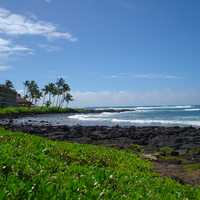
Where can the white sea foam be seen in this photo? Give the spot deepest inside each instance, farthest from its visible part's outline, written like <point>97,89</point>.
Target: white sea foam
<point>105,114</point>
<point>135,121</point>
<point>192,109</point>
<point>116,108</point>
<point>188,106</point>
<point>88,118</point>
<point>147,108</point>
<point>157,122</point>
<point>162,107</point>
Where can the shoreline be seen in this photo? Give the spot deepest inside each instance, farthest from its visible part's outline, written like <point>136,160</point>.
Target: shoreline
<point>20,114</point>
<point>177,137</point>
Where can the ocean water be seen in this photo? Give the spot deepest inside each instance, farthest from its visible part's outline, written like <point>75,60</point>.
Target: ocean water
<point>187,115</point>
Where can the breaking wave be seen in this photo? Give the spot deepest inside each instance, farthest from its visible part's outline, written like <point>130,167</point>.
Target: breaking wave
<point>157,122</point>
<point>144,122</point>
<point>192,109</point>
<point>162,107</point>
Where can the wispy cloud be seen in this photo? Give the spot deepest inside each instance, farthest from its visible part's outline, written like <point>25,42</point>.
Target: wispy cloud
<point>12,25</point>
<point>143,76</point>
<point>123,98</point>
<point>49,48</point>
<point>4,68</point>
<point>156,76</point>
<point>16,24</point>
<point>7,48</point>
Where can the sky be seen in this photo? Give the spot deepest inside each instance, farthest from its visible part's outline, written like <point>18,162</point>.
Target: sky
<point>111,52</point>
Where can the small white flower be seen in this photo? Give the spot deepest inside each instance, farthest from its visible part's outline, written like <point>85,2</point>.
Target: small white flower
<point>111,176</point>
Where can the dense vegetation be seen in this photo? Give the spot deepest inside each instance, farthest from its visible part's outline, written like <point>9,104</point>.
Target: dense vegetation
<point>37,110</point>
<point>36,168</point>
<point>7,94</point>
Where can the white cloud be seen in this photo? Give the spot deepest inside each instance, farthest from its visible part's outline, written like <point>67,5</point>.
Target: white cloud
<point>4,68</point>
<point>15,24</point>
<point>125,98</point>
<point>7,48</point>
<point>143,76</point>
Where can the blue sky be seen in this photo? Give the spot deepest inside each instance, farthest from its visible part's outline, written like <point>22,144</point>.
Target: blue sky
<point>112,52</point>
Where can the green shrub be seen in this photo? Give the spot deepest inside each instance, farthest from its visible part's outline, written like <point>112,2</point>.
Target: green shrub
<point>166,151</point>
<point>36,109</point>
<point>136,148</point>
<point>193,151</point>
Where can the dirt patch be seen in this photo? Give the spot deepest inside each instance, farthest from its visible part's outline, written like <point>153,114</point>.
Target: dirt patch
<point>177,172</point>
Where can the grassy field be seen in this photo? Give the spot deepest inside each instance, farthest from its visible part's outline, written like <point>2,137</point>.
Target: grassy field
<point>32,167</point>
<point>36,109</point>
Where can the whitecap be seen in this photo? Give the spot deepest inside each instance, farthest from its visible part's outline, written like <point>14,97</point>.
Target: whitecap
<point>162,107</point>
<point>157,122</point>
<point>192,109</point>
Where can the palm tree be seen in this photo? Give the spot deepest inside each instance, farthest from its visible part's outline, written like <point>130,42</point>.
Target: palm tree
<point>50,90</point>
<point>59,87</point>
<point>32,91</point>
<point>68,98</point>
<point>63,92</point>
<point>54,92</point>
<point>37,95</point>
<point>9,84</point>
<point>26,85</point>
<point>45,91</point>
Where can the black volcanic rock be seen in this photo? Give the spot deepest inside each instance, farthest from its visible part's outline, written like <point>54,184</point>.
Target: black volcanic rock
<point>175,137</point>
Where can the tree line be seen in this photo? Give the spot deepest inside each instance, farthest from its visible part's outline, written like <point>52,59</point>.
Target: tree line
<point>55,94</point>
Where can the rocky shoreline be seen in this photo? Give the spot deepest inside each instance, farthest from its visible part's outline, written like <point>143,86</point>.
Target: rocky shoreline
<point>151,137</point>
<point>170,148</point>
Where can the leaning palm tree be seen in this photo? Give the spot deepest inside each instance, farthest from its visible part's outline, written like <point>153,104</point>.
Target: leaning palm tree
<point>59,88</point>
<point>65,96</point>
<point>55,92</point>
<point>68,98</point>
<point>62,89</point>
<point>45,91</point>
<point>49,91</point>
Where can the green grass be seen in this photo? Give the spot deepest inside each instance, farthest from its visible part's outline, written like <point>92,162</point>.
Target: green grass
<point>36,109</point>
<point>192,167</point>
<point>32,167</point>
<point>166,151</point>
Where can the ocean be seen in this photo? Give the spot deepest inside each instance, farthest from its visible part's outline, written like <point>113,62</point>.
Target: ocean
<point>187,115</point>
